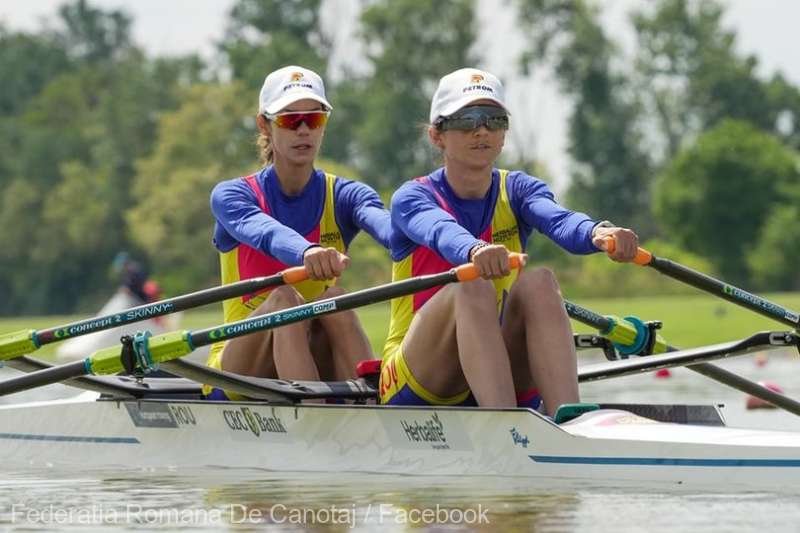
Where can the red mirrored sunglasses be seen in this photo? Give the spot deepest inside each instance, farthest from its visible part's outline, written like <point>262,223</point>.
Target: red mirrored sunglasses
<point>291,120</point>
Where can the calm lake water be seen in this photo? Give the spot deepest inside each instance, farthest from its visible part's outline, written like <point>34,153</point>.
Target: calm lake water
<point>242,500</point>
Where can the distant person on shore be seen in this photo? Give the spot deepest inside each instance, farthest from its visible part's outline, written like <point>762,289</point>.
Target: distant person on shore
<point>134,288</point>
<point>504,340</point>
<point>290,213</point>
<point>134,277</point>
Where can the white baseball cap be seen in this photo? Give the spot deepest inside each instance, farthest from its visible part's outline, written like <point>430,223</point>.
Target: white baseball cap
<point>462,87</point>
<point>288,85</point>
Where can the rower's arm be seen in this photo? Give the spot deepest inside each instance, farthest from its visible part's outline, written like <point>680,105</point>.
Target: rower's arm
<point>416,214</point>
<point>536,205</point>
<point>365,209</point>
<point>236,209</point>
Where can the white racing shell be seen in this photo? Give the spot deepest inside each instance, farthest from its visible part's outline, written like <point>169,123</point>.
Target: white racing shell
<point>606,446</point>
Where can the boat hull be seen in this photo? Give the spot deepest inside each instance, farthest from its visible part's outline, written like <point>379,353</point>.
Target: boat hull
<point>607,446</point>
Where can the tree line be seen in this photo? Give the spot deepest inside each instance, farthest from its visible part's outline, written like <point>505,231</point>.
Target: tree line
<point>104,148</point>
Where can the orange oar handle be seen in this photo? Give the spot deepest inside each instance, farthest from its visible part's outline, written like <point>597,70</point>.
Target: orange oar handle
<point>468,272</point>
<point>294,275</point>
<point>643,257</point>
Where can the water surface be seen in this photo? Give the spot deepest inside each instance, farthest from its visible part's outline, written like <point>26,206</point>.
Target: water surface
<point>228,499</point>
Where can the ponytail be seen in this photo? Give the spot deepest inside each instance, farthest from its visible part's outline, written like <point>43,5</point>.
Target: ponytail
<point>265,152</point>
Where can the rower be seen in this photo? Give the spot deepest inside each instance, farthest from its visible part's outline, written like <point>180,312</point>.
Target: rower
<point>289,214</point>
<point>504,340</point>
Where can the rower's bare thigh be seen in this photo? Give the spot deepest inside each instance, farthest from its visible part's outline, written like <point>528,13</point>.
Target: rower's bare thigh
<point>252,354</point>
<point>430,348</point>
<point>518,316</point>
<point>514,337</point>
<point>321,350</point>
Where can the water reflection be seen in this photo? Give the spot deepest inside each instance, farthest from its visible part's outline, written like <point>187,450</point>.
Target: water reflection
<point>250,499</point>
<point>238,499</point>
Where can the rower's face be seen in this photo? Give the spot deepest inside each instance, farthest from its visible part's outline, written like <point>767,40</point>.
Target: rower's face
<point>474,148</point>
<point>298,144</point>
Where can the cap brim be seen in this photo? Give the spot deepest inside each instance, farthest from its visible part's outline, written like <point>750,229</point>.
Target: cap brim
<point>463,102</point>
<point>289,99</point>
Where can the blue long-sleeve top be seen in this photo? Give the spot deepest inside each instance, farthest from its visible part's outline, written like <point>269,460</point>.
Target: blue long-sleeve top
<point>417,218</point>
<point>239,219</point>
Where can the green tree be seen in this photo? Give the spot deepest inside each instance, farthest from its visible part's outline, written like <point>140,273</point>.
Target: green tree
<point>29,62</point>
<point>693,77</point>
<point>611,175</point>
<point>34,60</point>
<point>785,99</point>
<point>774,259</point>
<point>17,200</point>
<point>264,35</point>
<point>210,137</point>
<point>93,35</point>
<point>70,156</point>
<point>410,45</point>
<point>715,197</point>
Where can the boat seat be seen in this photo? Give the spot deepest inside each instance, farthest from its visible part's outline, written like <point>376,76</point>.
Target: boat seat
<point>370,371</point>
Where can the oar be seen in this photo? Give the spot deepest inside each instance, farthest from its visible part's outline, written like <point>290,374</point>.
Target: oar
<point>712,285</point>
<point>149,351</point>
<point>23,342</point>
<point>692,356</point>
<point>632,336</point>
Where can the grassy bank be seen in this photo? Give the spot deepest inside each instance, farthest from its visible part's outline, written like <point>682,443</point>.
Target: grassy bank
<point>688,320</point>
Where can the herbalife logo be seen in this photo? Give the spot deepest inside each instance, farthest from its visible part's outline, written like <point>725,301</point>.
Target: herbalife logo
<point>430,430</point>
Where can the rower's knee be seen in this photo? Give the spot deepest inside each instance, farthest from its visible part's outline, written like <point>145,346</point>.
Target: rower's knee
<point>479,292</point>
<point>538,281</point>
<point>332,292</point>
<point>340,318</point>
<point>281,298</point>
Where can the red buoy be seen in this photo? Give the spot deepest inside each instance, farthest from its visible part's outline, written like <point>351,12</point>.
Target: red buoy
<point>663,373</point>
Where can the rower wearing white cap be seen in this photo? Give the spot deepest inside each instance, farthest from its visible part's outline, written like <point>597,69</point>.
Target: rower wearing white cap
<point>290,214</point>
<point>504,340</point>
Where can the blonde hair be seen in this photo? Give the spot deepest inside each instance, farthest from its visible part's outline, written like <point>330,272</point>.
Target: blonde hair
<point>264,143</point>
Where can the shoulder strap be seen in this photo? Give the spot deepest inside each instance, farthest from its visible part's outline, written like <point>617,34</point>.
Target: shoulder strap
<point>262,199</point>
<point>503,185</point>
<point>426,182</point>
<point>330,190</point>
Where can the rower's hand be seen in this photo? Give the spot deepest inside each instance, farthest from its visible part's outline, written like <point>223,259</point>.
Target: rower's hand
<point>324,263</point>
<point>627,242</point>
<point>491,261</point>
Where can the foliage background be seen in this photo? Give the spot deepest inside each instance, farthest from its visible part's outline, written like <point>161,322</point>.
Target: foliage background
<point>104,148</point>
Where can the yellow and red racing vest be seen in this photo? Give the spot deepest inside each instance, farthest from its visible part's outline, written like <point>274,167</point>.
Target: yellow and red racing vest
<point>502,230</point>
<point>245,262</point>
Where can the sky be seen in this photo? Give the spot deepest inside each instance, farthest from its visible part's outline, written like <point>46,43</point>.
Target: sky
<point>765,28</point>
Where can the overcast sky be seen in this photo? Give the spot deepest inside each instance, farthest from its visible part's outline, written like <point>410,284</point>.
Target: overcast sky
<point>766,28</point>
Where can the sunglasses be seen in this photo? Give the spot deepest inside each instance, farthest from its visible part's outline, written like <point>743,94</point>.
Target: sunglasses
<point>291,120</point>
<point>473,117</point>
